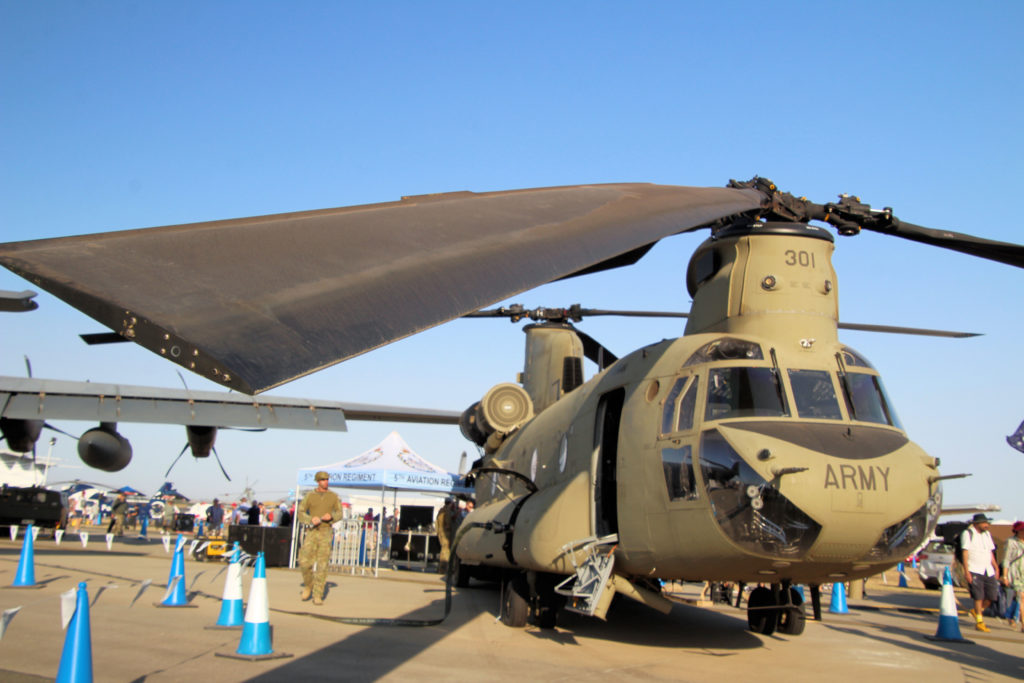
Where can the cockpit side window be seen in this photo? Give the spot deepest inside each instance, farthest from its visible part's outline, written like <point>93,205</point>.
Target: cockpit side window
<point>814,394</point>
<point>744,392</point>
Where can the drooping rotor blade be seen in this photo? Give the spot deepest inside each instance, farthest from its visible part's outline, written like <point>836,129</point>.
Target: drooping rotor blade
<point>17,302</point>
<point>1003,252</point>
<point>850,215</point>
<point>576,313</point>
<point>924,332</point>
<point>596,351</point>
<point>252,303</point>
<point>633,314</point>
<point>94,338</point>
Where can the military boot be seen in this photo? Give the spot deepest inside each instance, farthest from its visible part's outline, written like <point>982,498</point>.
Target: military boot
<point>318,601</point>
<point>307,593</point>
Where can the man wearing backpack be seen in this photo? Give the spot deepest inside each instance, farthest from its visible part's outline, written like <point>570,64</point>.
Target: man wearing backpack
<point>978,557</point>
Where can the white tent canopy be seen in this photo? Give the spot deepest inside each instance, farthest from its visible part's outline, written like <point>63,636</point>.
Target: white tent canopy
<point>390,465</point>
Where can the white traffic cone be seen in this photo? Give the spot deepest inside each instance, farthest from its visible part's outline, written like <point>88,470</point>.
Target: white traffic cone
<point>231,613</point>
<point>949,623</point>
<point>255,643</point>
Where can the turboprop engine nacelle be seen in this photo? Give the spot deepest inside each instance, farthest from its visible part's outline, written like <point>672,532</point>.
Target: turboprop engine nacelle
<point>21,435</point>
<point>200,440</point>
<point>104,448</point>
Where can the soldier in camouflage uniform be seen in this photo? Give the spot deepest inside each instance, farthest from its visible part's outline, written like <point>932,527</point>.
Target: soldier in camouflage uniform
<point>317,510</point>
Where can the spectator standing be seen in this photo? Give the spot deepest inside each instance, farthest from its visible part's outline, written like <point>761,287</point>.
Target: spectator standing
<point>978,557</point>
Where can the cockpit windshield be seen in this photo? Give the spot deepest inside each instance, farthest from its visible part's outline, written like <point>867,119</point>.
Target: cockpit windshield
<point>866,399</point>
<point>744,392</point>
<point>814,394</point>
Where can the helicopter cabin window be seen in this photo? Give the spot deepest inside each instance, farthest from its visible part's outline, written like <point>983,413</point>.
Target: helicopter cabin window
<point>687,406</point>
<point>866,399</point>
<point>668,410</point>
<point>678,466</point>
<point>815,395</point>
<point>744,392</point>
<point>684,408</point>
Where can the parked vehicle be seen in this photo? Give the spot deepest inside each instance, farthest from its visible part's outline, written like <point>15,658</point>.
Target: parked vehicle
<point>932,562</point>
<point>32,505</point>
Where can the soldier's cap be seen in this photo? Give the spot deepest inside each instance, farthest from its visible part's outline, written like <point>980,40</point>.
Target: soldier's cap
<point>321,475</point>
<point>980,517</point>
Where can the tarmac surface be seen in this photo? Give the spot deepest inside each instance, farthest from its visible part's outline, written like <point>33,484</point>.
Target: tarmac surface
<point>881,639</point>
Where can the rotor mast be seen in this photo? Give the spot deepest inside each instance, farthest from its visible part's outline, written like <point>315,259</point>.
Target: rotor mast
<point>752,274</point>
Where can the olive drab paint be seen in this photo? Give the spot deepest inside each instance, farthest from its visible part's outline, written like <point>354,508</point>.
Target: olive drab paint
<point>816,473</point>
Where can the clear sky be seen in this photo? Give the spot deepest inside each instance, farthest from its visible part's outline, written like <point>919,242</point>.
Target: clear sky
<point>125,114</point>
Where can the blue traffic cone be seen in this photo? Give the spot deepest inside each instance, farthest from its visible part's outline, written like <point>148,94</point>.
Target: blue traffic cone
<point>903,576</point>
<point>255,642</point>
<point>76,658</point>
<point>176,596</point>
<point>838,604</point>
<point>26,575</point>
<point>949,622</point>
<point>231,614</point>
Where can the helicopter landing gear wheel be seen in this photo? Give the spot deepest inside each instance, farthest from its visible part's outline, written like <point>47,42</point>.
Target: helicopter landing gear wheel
<point>762,613</point>
<point>792,619</point>
<point>461,572</point>
<point>546,603</point>
<point>515,607</point>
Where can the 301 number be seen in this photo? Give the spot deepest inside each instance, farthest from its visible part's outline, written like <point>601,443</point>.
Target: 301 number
<point>804,259</point>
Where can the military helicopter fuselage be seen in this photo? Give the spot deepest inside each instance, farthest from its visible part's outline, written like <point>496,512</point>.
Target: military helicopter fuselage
<point>755,448</point>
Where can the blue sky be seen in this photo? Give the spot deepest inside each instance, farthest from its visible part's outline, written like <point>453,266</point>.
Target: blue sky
<point>123,115</point>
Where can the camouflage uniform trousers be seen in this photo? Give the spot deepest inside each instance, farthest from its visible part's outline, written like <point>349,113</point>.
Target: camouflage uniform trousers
<point>316,549</point>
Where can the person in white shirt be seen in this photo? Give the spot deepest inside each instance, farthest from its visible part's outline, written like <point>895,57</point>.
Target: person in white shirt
<point>978,556</point>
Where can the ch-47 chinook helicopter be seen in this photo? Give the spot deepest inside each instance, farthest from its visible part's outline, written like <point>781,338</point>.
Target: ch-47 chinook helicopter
<point>755,448</point>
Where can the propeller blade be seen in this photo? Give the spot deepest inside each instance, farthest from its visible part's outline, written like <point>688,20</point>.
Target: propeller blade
<point>1002,252</point>
<point>183,449</point>
<point>49,426</point>
<point>215,455</point>
<point>28,367</point>
<point>260,301</point>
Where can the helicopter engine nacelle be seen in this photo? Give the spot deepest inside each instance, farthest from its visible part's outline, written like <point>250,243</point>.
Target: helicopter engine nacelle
<point>503,409</point>
<point>21,435</point>
<point>200,440</point>
<point>104,448</point>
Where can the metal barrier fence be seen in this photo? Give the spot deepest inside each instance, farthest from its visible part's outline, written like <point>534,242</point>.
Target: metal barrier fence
<point>353,549</point>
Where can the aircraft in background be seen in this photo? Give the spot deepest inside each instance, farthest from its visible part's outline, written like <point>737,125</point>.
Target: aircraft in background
<point>26,404</point>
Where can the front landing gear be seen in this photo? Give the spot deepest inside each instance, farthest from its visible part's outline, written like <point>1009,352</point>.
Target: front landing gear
<point>779,607</point>
<point>530,598</point>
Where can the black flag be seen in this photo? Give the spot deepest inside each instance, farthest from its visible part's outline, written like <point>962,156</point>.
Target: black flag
<point>1016,440</point>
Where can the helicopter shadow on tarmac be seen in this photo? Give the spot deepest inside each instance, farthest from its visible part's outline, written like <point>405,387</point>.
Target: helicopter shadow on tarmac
<point>631,623</point>
<point>976,656</point>
<point>376,652</point>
